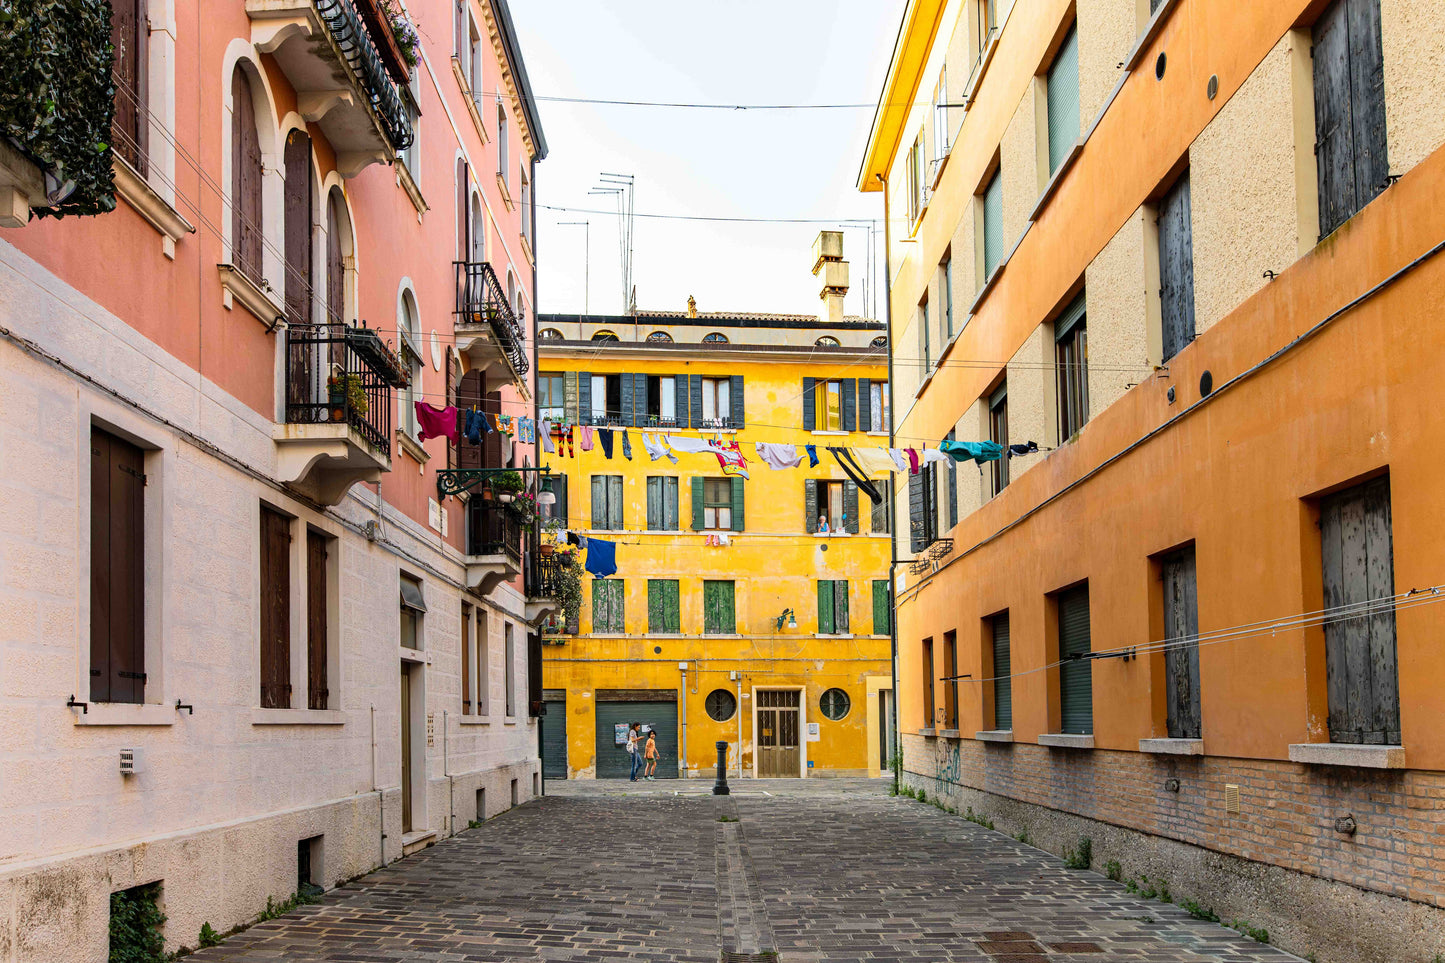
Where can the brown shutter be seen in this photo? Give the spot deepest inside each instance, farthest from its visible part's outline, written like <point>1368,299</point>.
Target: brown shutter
<point>117,570</point>
<point>492,443</point>
<point>275,610</point>
<point>466,659</point>
<point>298,227</point>
<point>463,213</point>
<point>316,683</point>
<point>469,395</point>
<point>245,179</point>
<point>335,267</point>
<point>128,34</point>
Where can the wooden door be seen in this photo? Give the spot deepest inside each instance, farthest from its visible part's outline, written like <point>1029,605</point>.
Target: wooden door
<point>778,744</point>
<point>1181,659</point>
<point>117,570</point>
<point>405,749</point>
<point>275,610</point>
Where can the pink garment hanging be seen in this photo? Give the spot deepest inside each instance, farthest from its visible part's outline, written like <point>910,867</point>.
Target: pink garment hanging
<point>912,460</point>
<point>437,423</point>
<point>586,438</point>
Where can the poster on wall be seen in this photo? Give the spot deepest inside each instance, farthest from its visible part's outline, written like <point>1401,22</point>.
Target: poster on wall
<point>619,732</point>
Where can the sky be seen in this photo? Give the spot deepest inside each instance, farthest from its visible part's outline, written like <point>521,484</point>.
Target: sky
<point>719,163</point>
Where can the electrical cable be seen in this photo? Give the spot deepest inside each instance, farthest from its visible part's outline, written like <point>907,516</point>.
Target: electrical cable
<point>858,222</point>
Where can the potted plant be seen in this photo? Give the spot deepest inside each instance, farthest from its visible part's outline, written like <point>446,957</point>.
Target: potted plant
<point>343,391</point>
<point>402,31</point>
<point>507,485</point>
<point>569,592</point>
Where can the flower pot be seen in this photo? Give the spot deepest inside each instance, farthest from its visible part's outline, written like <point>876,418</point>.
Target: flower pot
<point>487,495</point>
<point>505,498</point>
<point>548,550</point>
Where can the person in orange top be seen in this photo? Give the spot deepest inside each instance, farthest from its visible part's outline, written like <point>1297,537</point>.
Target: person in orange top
<point>650,754</point>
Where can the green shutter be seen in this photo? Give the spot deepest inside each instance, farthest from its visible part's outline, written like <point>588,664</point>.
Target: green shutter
<point>669,503</point>
<point>840,607</point>
<point>614,502</point>
<point>671,608</point>
<point>607,605</point>
<point>1003,714</point>
<point>599,502</point>
<point>662,609</point>
<point>1076,690</point>
<point>809,412</point>
<point>825,607</point>
<point>654,604</point>
<point>992,224</point>
<point>654,504</point>
<point>850,507</point>
<point>718,613</point>
<point>882,611</point>
<point>1063,94</point>
<point>697,512</point>
<point>737,504</point>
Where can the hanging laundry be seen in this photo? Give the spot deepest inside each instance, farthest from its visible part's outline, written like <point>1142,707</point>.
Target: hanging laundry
<point>977,451</point>
<point>473,427</point>
<point>778,457</point>
<point>574,539</point>
<point>898,459</point>
<point>626,445</point>
<point>506,426</point>
<point>526,431</point>
<point>913,461</point>
<point>731,459</point>
<point>855,474</point>
<point>812,455</point>
<point>875,461</point>
<point>604,435</point>
<point>932,455</point>
<point>722,539</point>
<point>586,438</point>
<point>563,434</point>
<point>1029,449</point>
<point>601,557</point>
<point>688,445</point>
<point>437,423</point>
<point>547,444</point>
<point>656,447</point>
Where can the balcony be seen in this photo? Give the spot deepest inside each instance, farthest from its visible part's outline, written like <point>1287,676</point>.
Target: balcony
<point>494,545</point>
<point>543,585</point>
<point>333,58</point>
<point>488,330</point>
<point>338,409</point>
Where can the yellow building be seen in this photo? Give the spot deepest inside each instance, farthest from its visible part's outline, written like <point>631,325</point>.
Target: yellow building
<point>730,616</point>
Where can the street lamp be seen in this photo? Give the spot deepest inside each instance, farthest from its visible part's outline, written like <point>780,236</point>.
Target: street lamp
<point>546,496</point>
<point>787,617</point>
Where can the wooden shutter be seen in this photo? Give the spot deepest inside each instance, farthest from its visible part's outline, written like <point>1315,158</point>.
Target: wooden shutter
<point>639,400</point>
<point>662,605</point>
<point>335,265</point>
<point>129,33</point>
<point>654,503</point>
<point>584,397</point>
<point>1003,712</point>
<point>882,608</point>
<point>297,222</point>
<point>719,615</point>
<point>810,409</point>
<point>464,244</point>
<point>865,404</point>
<point>695,402</point>
<point>1063,96</point>
<point>1176,269</point>
<point>627,415</point>
<point>1350,146</point>
<point>570,398</point>
<point>878,524</point>
<point>1367,100</point>
<point>840,607</point>
<point>599,502</point>
<point>930,491</point>
<point>275,610</point>
<point>810,506</point>
<point>607,613</point>
<point>992,225</point>
<point>679,401</point>
<point>1076,695</point>
<point>654,603</point>
<point>614,502</point>
<point>492,441</point>
<point>245,179</point>
<point>849,390</point>
<point>117,570</point>
<point>466,659</point>
<point>738,514</point>
<point>470,392</point>
<point>317,693</point>
<point>917,507</point>
<point>850,507</point>
<point>698,515</point>
<point>735,396</point>
<point>669,504</point>
<point>1181,659</point>
<point>1361,670</point>
<point>825,607</point>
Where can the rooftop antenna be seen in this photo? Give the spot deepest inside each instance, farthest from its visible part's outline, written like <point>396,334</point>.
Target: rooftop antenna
<point>620,186</point>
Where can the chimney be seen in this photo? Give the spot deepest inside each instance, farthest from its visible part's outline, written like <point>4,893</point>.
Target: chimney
<point>832,270</point>
<point>691,306</point>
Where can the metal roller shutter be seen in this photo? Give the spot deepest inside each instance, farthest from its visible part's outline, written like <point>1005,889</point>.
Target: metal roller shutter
<point>1076,680</point>
<point>1003,713</point>
<point>612,760</point>
<point>554,739</point>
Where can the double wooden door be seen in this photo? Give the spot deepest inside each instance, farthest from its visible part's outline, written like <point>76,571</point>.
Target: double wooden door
<point>778,744</point>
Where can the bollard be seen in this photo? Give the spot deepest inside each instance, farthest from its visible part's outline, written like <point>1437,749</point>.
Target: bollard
<point>720,788</point>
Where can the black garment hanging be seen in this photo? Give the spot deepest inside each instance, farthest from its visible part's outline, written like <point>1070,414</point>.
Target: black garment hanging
<point>844,458</point>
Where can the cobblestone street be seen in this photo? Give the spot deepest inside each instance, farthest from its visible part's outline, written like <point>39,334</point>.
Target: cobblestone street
<point>816,870</point>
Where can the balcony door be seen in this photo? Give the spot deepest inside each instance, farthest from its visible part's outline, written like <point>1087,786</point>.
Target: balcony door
<point>478,228</point>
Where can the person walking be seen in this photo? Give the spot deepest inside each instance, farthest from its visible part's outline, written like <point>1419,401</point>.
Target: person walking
<point>633,749</point>
<point>650,754</point>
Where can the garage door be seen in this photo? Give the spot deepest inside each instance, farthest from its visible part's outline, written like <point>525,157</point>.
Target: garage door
<point>554,739</point>
<point>612,759</point>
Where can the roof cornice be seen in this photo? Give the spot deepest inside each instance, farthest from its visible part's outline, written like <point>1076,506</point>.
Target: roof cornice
<point>916,33</point>
<point>503,35</point>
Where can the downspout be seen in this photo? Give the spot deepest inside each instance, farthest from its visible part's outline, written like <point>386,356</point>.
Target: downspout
<point>380,798</point>
<point>892,488</point>
<point>451,780</point>
<point>682,749</point>
<point>739,711</point>
<point>536,420</point>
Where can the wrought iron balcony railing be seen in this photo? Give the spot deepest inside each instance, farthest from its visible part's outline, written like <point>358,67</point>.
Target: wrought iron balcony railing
<point>482,300</point>
<point>493,530</point>
<point>361,52</point>
<point>335,374</point>
<point>543,576</point>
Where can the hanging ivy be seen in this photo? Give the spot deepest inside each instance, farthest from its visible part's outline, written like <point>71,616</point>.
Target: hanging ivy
<point>58,99</point>
<point>135,926</point>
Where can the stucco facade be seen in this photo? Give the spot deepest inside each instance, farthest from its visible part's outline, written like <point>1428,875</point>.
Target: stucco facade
<point>1302,378</point>
<point>253,779</point>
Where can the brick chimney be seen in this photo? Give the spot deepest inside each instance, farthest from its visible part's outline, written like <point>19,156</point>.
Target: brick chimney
<point>832,270</point>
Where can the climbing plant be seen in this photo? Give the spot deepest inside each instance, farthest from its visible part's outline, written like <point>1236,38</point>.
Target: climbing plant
<point>57,101</point>
<point>135,926</point>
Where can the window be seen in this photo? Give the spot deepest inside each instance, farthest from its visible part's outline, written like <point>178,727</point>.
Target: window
<point>607,613</point>
<point>721,705</point>
<point>502,135</point>
<point>662,504</point>
<point>511,664</point>
<point>1176,269</point>
<point>246,210</point>
<point>129,31</point>
<point>1071,355</point>
<point>998,433</point>
<point>991,216</point>
<point>552,396</point>
<point>558,509</point>
<point>1351,151</point>
<point>338,244</point>
<point>318,569</point>
<point>552,334</point>
<point>1063,100</point>
<point>719,616</point>
<point>940,118</point>
<point>410,337</point>
<point>834,704</point>
<point>662,606</point>
<point>461,46</point>
<point>661,400</point>
<point>607,502</point>
<point>1181,659</point>
<point>484,664</point>
<point>413,607</point>
<point>716,337</point>
<point>830,506</point>
<point>604,336</point>
<point>117,570</point>
<point>882,608</point>
<point>833,607</point>
<point>1002,683</point>
<point>950,688</point>
<point>716,402</point>
<point>717,503</point>
<point>275,609</point>
<point>928,720</point>
<point>945,284</point>
<point>526,205</point>
<point>296,220</point>
<point>469,658</point>
<point>826,342</point>
<point>411,156</point>
<point>878,406</point>
<point>923,508</point>
<point>879,342</point>
<point>878,523</point>
<point>951,483</point>
<point>924,347</point>
<point>915,180</point>
<point>660,337</point>
<point>474,75</point>
<point>1076,677</point>
<point>606,399</point>
<point>985,23</point>
<point>1357,552</point>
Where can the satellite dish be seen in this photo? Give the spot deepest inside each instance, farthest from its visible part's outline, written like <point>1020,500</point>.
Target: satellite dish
<point>436,351</point>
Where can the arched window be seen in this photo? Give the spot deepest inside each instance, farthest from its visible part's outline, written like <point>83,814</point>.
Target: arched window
<point>246,224</point>
<point>604,336</point>
<point>717,337</point>
<point>410,337</point>
<point>296,216</point>
<point>478,230</point>
<point>879,342</point>
<point>502,140</point>
<point>338,249</point>
<point>512,300</point>
<point>826,342</point>
<point>659,336</point>
<point>551,334</point>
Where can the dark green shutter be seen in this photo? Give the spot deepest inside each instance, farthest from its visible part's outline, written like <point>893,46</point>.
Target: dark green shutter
<point>1003,704</point>
<point>735,396</point>
<point>654,504</point>
<point>810,505</point>
<point>607,616</point>
<point>825,607</point>
<point>626,414</point>
<point>879,520</point>
<point>882,609</point>
<point>1076,689</point>
<point>737,504</point>
<point>916,507</point>
<point>695,401</point>
<point>669,504</point>
<point>718,613</point>
<point>654,605</point>
<point>849,389</point>
<point>809,407</point>
<point>1063,100</point>
<point>614,502</point>
<point>850,506</point>
<point>639,400</point>
<point>840,607</point>
<point>865,404</point>
<point>599,502</point>
<point>697,505</point>
<point>679,401</point>
<point>584,398</point>
<point>662,605</point>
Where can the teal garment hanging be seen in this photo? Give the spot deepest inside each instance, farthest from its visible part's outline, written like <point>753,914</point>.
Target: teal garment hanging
<point>976,451</point>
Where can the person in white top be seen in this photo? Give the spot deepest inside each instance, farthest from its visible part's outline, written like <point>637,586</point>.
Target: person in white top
<point>633,749</point>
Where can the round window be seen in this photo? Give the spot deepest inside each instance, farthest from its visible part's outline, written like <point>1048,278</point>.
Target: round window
<point>721,705</point>
<point>835,704</point>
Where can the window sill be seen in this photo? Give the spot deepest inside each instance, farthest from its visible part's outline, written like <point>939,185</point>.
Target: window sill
<point>1173,747</point>
<point>412,447</point>
<point>994,735</point>
<point>950,734</point>
<point>132,188</point>
<point>832,534</point>
<point>471,101</point>
<point>297,717</point>
<point>928,733</point>
<point>509,721</point>
<point>722,635</point>
<point>988,285</point>
<point>1346,754</point>
<point>126,714</point>
<point>985,57</point>
<point>235,286</point>
<point>817,431</point>
<point>1055,179</point>
<point>877,434</point>
<point>419,656</point>
<point>1067,740</point>
<point>506,191</point>
<point>408,183</point>
<point>474,720</point>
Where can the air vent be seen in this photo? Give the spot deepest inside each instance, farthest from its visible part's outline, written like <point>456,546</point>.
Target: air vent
<point>128,762</point>
<point>1231,798</point>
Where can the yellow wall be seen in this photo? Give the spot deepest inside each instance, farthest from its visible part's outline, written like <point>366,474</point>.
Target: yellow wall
<point>775,564</point>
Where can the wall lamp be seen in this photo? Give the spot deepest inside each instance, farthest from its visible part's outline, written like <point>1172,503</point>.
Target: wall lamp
<point>786,617</point>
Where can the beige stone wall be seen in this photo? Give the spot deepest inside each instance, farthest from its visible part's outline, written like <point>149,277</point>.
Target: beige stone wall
<point>1032,411</point>
<point>1414,49</point>
<point>1118,321</point>
<point>1242,190</point>
<point>1019,160</point>
<point>1107,29</point>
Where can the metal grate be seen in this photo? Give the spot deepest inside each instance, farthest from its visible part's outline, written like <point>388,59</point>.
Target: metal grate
<point>1231,798</point>
<point>767,957</point>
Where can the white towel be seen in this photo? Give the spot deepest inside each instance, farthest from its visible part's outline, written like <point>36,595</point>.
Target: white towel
<point>934,455</point>
<point>778,457</point>
<point>874,461</point>
<point>900,458</point>
<point>689,445</point>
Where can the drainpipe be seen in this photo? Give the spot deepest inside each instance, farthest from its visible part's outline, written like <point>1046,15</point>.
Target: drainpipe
<point>451,781</point>
<point>380,798</point>
<point>682,749</point>
<point>739,711</point>
<point>892,443</point>
<point>537,421</point>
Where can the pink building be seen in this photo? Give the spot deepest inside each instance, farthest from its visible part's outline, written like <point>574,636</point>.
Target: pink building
<point>249,646</point>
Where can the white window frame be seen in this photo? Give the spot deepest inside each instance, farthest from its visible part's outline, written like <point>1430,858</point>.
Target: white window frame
<point>716,397</point>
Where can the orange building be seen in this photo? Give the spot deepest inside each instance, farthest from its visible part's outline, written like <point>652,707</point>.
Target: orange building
<point>1189,248</point>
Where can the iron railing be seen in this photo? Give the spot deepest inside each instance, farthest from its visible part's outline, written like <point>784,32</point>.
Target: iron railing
<point>360,51</point>
<point>493,530</point>
<point>482,300</point>
<point>330,381</point>
<point>543,576</point>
